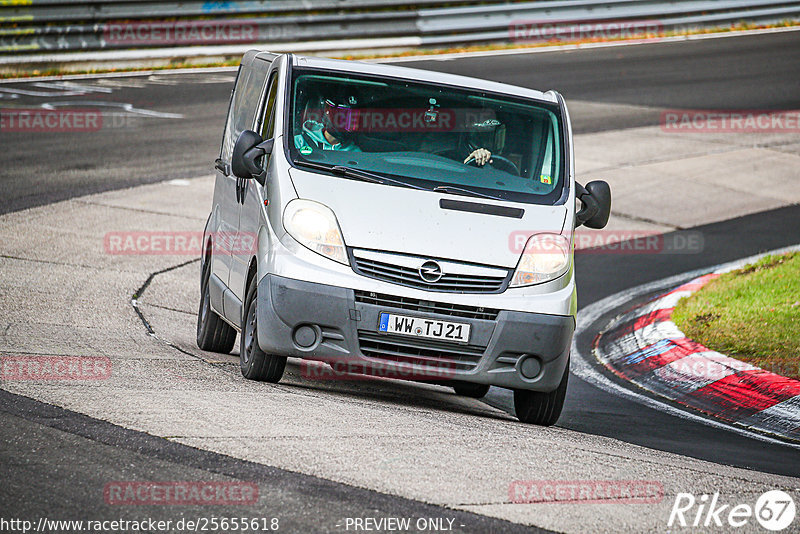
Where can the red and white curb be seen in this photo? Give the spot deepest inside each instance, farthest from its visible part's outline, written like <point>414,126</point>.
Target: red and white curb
<point>645,347</point>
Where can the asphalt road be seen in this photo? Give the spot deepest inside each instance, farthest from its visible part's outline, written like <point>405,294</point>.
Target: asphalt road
<point>43,448</point>
<point>48,452</point>
<point>753,72</point>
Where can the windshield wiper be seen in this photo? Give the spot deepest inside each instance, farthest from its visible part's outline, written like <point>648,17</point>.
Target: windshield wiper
<point>462,191</point>
<point>336,169</point>
<point>369,177</point>
<point>358,174</point>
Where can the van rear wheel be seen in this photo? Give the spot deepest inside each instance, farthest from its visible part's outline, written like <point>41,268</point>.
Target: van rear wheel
<point>254,362</point>
<point>213,334</point>
<point>540,408</point>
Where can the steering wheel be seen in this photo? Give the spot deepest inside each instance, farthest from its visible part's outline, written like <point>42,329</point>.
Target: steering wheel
<point>505,164</point>
<point>498,162</point>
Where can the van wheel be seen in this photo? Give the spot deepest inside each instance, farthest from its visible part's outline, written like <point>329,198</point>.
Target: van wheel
<point>254,362</point>
<point>213,334</point>
<point>468,389</point>
<point>541,408</point>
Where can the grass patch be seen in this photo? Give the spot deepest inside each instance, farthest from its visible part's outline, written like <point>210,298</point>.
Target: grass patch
<point>752,314</point>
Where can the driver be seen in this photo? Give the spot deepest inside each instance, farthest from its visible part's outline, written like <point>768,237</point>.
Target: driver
<point>335,132</point>
<point>340,122</point>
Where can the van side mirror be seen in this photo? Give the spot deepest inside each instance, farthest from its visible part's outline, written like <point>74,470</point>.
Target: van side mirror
<point>248,148</point>
<point>596,201</point>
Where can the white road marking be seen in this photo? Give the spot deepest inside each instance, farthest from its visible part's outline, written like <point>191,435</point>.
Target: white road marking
<point>121,105</point>
<point>120,83</point>
<point>46,94</point>
<point>125,83</point>
<point>71,86</point>
<point>655,332</point>
<point>166,79</point>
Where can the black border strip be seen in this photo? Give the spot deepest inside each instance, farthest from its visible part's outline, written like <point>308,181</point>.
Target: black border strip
<point>485,209</point>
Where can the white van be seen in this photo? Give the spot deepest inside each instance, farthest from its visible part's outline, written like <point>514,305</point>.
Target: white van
<point>397,222</point>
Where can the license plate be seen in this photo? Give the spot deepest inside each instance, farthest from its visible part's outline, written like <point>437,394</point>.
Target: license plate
<point>420,327</point>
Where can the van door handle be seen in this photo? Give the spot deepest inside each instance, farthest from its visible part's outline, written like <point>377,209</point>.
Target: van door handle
<point>222,167</point>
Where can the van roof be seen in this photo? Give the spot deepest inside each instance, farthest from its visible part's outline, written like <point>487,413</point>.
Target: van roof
<point>393,71</point>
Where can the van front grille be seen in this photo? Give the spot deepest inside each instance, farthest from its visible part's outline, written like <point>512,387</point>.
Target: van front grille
<point>407,276</point>
<point>426,353</point>
<point>426,306</point>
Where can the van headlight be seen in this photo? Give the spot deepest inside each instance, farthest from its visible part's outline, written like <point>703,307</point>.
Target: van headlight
<point>314,226</point>
<point>546,257</point>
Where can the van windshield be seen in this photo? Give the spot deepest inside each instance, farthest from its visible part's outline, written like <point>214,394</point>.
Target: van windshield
<point>430,136</point>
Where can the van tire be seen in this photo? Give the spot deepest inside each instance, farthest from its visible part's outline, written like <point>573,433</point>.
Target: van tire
<point>254,362</point>
<point>469,389</point>
<point>213,333</point>
<point>539,408</point>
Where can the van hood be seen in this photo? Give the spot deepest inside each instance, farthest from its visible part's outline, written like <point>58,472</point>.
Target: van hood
<point>410,221</point>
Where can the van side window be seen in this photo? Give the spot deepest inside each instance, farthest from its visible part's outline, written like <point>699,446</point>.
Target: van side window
<point>246,98</point>
<point>268,120</point>
<point>225,149</point>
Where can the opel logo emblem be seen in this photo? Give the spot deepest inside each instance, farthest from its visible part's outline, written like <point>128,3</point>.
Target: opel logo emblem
<point>431,272</point>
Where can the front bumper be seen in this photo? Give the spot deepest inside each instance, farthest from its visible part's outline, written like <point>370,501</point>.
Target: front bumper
<point>511,349</point>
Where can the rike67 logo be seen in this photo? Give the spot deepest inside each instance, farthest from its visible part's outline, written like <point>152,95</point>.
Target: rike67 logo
<point>774,510</point>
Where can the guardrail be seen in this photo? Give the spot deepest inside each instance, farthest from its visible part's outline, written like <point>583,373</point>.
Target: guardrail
<point>498,23</point>
<point>56,26</point>
<point>98,10</point>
